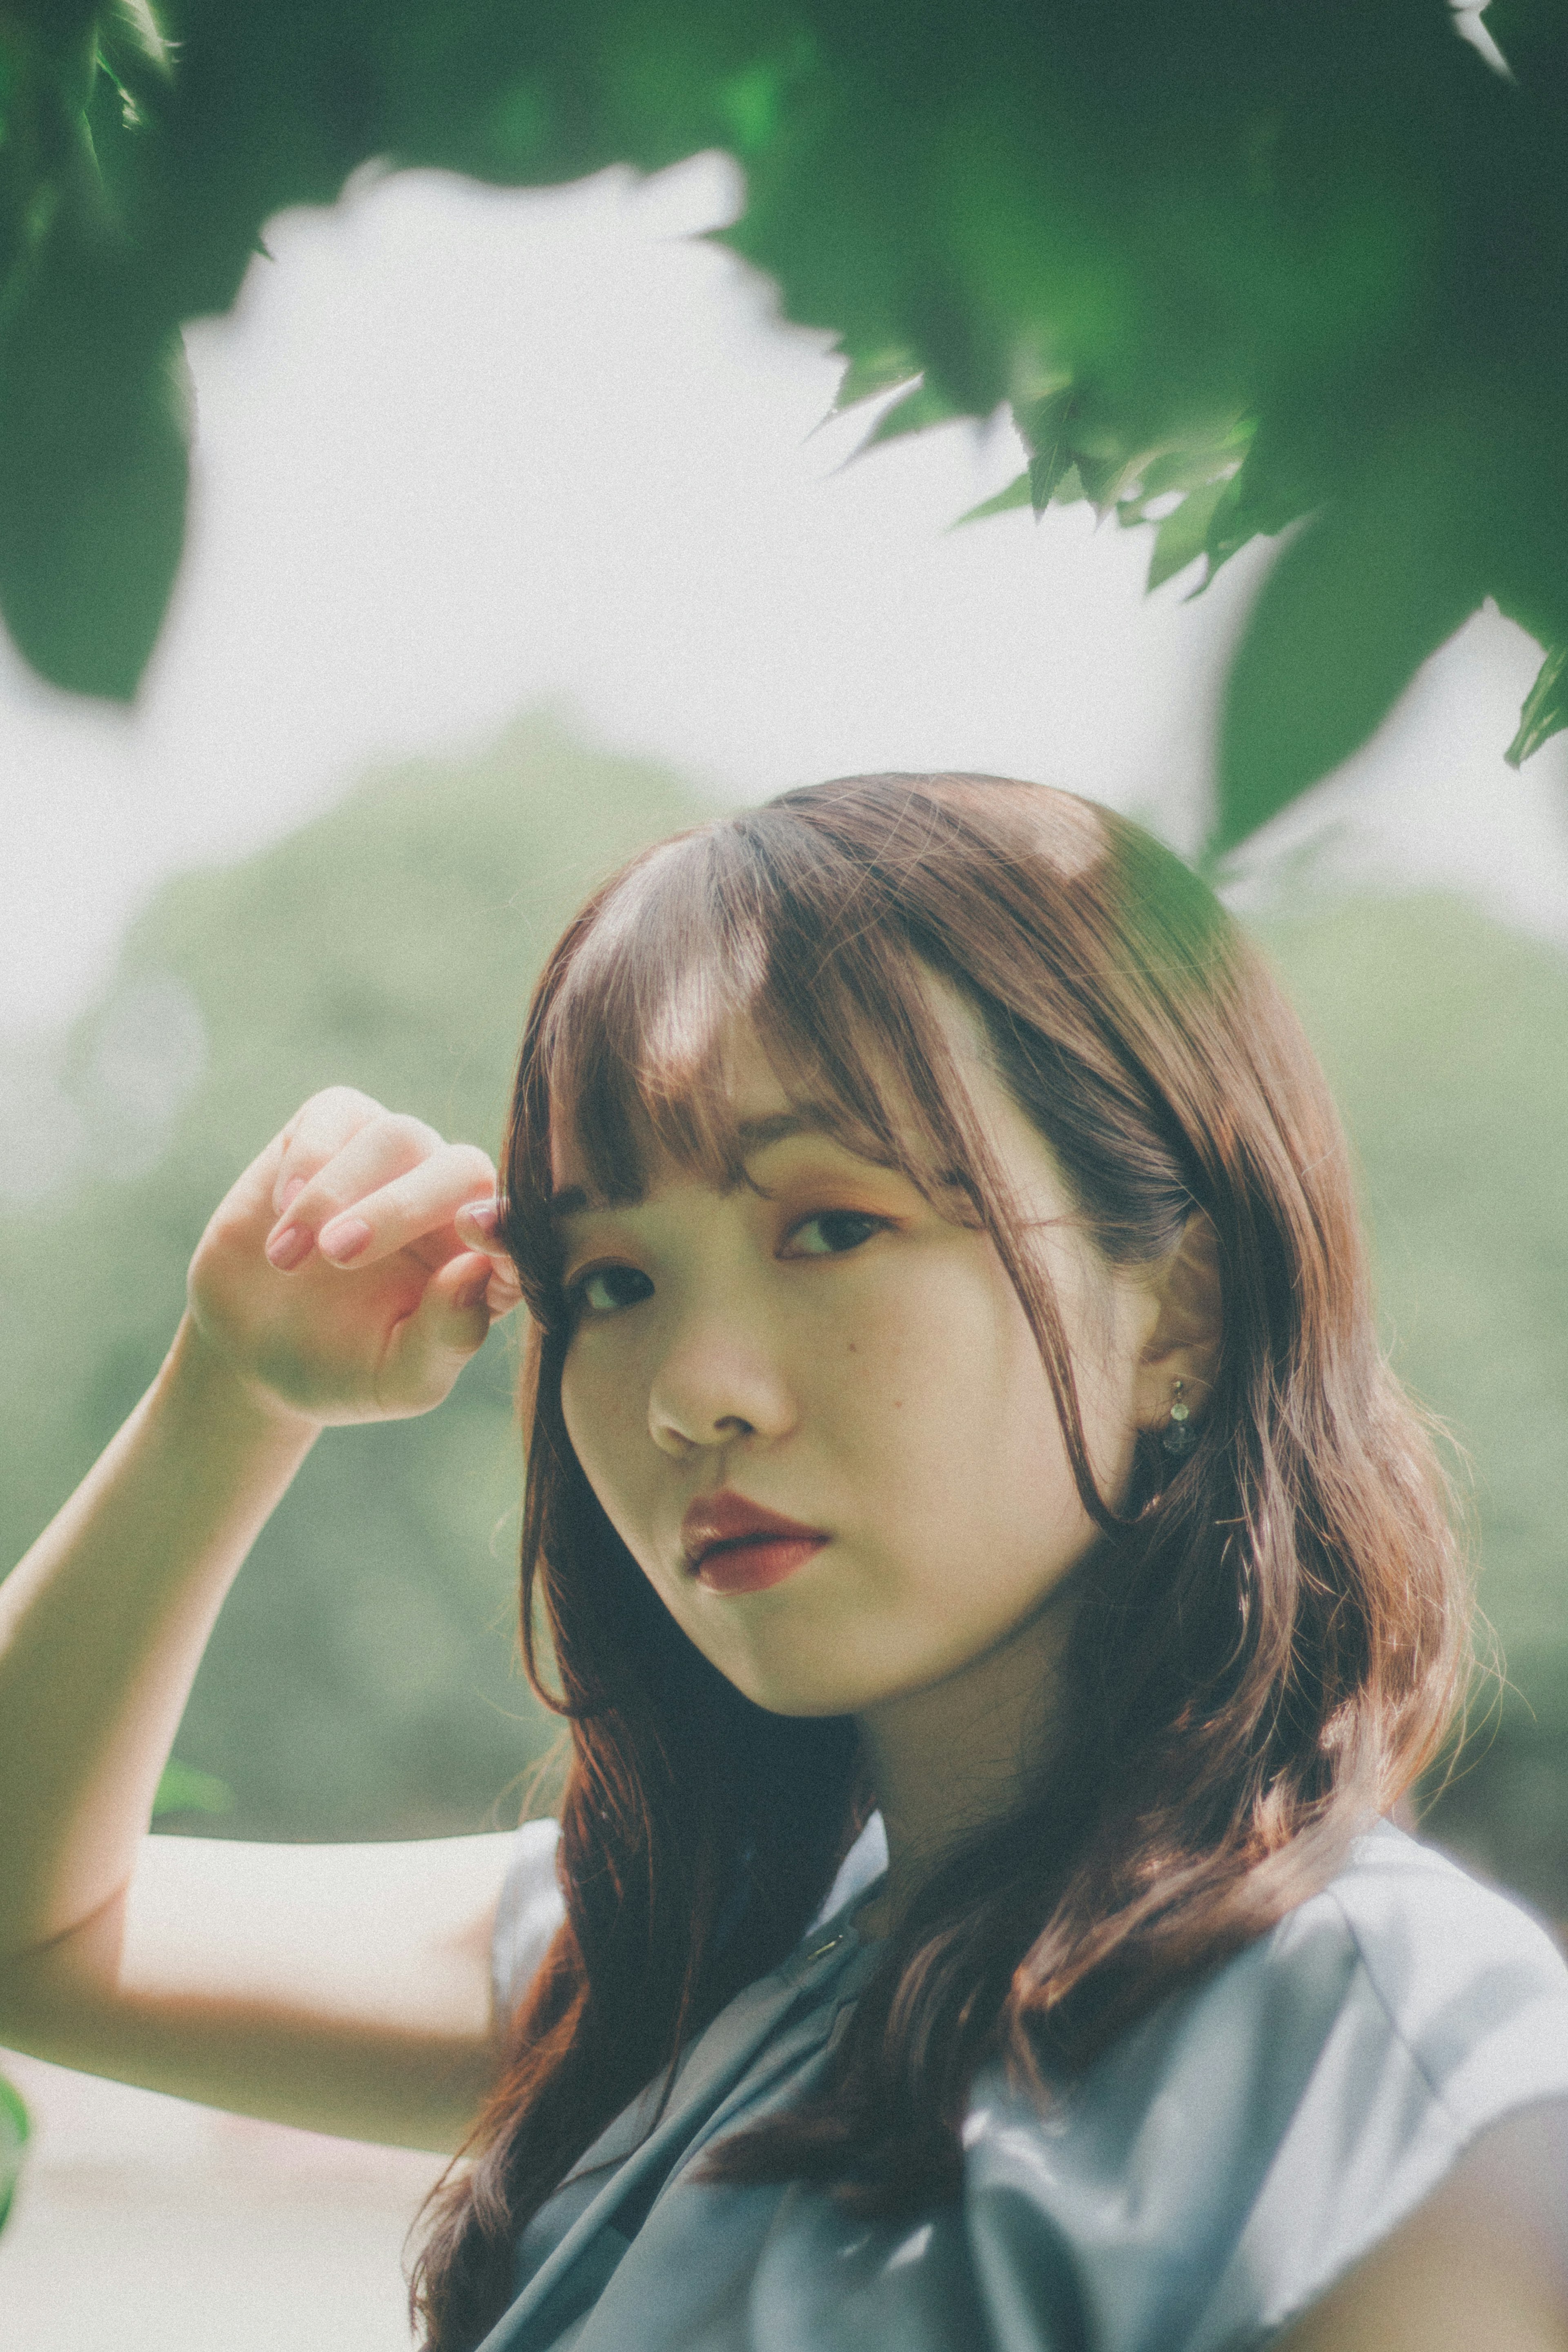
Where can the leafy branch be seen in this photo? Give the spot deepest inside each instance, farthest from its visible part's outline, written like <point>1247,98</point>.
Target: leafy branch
<point>1233,266</point>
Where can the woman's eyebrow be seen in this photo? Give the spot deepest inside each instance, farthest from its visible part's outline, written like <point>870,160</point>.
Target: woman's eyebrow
<point>570,1202</point>
<point>752,1134</point>
<point>756,1134</point>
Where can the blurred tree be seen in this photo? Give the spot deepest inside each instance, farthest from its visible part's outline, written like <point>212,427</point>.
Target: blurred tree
<point>1456,1097</point>
<point>1234,266</point>
<point>360,1681</point>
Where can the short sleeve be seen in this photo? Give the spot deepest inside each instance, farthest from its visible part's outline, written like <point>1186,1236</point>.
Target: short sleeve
<point>1238,2150</point>
<point>1471,1983</point>
<point>1454,2018</point>
<point>527,1913</point>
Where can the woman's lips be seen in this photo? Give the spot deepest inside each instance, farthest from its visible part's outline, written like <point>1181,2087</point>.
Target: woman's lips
<point>733,1545</point>
<point>755,1562</point>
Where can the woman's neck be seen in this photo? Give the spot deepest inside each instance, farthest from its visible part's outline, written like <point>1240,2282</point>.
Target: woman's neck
<point>948,1760</point>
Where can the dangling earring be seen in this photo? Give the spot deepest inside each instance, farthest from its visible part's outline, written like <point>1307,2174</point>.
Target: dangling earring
<point>1180,1436</point>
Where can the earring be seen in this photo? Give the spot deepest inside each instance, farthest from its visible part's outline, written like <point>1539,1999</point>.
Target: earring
<point>1180,1436</point>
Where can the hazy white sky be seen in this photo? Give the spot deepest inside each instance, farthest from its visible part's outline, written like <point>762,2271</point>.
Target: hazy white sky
<point>461,452</point>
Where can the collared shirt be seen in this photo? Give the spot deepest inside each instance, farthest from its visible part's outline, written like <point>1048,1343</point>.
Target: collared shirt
<point>1211,2174</point>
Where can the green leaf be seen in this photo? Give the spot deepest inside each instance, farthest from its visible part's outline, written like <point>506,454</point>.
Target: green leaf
<point>1017,494</point>
<point>15,2130</point>
<point>751,104</point>
<point>915,413</point>
<point>94,466</point>
<point>875,372</point>
<point>1102,477</point>
<point>1183,536</point>
<point>129,28</point>
<point>1044,426</point>
<point>1368,591</point>
<point>182,1790</point>
<point>1194,468</point>
<point>1545,711</point>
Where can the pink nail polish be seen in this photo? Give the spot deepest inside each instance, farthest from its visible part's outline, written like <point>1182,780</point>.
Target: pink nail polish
<point>291,1191</point>
<point>290,1248</point>
<point>344,1238</point>
<point>485,1216</point>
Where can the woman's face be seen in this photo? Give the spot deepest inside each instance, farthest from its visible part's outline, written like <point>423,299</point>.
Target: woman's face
<point>830,1348</point>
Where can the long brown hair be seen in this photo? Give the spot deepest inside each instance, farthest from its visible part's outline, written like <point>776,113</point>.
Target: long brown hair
<point>1270,1638</point>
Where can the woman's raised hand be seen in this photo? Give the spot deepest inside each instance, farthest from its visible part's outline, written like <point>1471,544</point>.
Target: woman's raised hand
<point>333,1279</point>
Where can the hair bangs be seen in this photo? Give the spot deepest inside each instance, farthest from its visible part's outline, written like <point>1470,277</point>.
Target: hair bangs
<point>708,939</point>
<point>633,1051</point>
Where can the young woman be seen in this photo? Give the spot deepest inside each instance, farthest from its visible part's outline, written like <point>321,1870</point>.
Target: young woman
<point>998,1593</point>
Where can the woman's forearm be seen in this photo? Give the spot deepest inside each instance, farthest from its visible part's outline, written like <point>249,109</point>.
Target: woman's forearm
<point>102,1626</point>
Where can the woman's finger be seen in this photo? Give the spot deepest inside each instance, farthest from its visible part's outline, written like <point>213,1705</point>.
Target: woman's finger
<point>429,1348</point>
<point>478,1225</point>
<point>503,1292</point>
<point>388,1147</point>
<point>317,1132</point>
<point>482,1218</point>
<point>390,1188</point>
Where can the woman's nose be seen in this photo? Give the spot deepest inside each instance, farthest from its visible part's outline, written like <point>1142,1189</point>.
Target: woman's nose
<point>717,1381</point>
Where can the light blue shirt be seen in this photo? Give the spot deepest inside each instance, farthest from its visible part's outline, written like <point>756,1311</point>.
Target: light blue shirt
<point>1206,2179</point>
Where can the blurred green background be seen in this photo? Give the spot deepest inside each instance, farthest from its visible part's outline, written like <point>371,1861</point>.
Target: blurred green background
<point>361,1681</point>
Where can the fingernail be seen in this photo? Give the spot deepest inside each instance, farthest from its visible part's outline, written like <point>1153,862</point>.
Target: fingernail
<point>344,1238</point>
<point>285,1250</point>
<point>485,1216</point>
<point>475,1295</point>
<point>291,1191</point>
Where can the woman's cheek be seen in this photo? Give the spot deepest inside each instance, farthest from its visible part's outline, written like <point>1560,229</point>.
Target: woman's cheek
<point>590,1412</point>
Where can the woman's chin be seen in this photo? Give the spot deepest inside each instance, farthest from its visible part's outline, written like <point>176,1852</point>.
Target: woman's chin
<point>831,1676</point>
<point>803,1686</point>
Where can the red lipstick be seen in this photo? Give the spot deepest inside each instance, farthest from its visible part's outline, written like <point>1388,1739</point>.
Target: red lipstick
<point>734,1545</point>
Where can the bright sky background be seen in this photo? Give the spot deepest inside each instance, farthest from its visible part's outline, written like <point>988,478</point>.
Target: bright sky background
<point>463,452</point>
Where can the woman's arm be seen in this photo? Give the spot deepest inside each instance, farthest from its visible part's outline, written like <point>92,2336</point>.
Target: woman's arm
<point>1481,2267</point>
<point>103,1624</point>
<point>344,1988</point>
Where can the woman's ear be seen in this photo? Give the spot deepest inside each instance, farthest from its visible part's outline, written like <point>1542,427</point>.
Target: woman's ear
<point>1185,1342</point>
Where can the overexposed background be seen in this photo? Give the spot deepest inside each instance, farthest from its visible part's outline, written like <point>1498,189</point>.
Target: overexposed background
<point>148,2225</point>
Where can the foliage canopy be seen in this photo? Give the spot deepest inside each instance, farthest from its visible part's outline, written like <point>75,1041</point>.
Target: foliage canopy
<point>1234,266</point>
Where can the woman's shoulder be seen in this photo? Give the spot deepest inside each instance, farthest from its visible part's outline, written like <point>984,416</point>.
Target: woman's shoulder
<point>1237,2150</point>
<point>1404,1955</point>
<point>1405,1965</point>
<point>1470,1983</point>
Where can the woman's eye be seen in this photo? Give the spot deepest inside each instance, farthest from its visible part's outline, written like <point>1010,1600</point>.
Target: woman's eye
<point>607,1287</point>
<point>831,1232</point>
